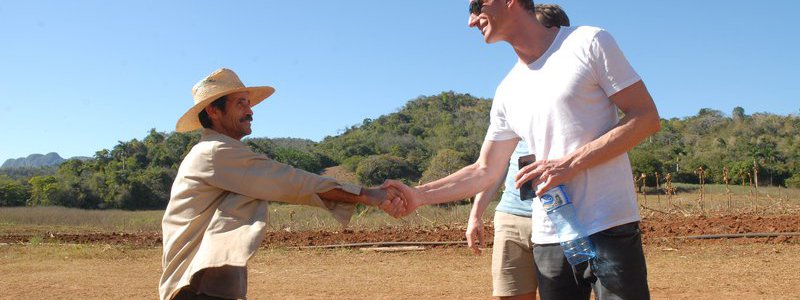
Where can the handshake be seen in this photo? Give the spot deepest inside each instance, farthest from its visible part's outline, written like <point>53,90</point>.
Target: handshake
<point>393,197</point>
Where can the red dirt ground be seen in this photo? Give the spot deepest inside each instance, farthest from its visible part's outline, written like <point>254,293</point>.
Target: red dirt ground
<point>657,230</point>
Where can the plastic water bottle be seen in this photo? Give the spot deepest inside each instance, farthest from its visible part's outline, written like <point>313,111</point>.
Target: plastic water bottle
<point>577,246</point>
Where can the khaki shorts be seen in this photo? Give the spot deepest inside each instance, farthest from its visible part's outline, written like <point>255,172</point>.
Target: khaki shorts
<point>513,268</point>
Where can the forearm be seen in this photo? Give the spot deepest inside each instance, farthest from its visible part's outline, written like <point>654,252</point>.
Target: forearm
<point>482,201</point>
<point>462,184</point>
<point>339,195</point>
<point>466,182</point>
<point>631,130</point>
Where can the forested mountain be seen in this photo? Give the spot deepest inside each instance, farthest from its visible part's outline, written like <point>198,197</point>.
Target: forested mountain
<point>426,139</point>
<point>711,140</point>
<point>33,161</point>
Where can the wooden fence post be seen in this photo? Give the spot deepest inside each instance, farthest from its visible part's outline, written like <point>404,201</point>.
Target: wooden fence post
<point>726,179</point>
<point>701,175</point>
<point>670,191</point>
<point>643,178</point>
<point>755,177</point>
<point>658,190</point>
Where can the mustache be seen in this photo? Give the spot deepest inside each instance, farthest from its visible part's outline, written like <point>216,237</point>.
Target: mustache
<point>246,118</point>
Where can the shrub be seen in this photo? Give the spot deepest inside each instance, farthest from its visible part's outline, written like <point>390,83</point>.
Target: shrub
<point>374,170</point>
<point>794,181</point>
<point>445,162</point>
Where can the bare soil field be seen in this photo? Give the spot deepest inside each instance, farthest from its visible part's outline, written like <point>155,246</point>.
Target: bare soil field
<point>656,229</point>
<point>50,264</point>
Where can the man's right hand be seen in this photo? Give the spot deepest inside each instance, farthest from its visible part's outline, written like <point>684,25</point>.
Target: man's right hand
<point>475,234</point>
<point>388,199</point>
<point>411,196</point>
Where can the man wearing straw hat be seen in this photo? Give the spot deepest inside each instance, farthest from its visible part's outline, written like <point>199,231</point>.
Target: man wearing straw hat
<point>217,214</point>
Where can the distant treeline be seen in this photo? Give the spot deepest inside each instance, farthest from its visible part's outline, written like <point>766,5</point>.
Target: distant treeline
<point>426,139</point>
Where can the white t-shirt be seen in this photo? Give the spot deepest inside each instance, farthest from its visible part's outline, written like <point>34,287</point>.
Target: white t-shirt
<point>559,103</point>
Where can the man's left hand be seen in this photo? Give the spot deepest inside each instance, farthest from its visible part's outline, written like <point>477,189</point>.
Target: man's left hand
<point>546,174</point>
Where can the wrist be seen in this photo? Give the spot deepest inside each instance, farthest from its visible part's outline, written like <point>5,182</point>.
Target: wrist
<point>474,215</point>
<point>366,197</point>
<point>422,192</point>
<point>475,219</point>
<point>422,188</point>
<point>572,161</point>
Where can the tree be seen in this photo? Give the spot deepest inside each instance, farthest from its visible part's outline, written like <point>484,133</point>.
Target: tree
<point>766,154</point>
<point>73,186</point>
<point>12,192</point>
<point>445,162</point>
<point>147,189</point>
<point>794,181</point>
<point>374,170</point>
<point>645,162</point>
<point>299,159</point>
<point>44,190</point>
<point>263,146</point>
<point>738,114</point>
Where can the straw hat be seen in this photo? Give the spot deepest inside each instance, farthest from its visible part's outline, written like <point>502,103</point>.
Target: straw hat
<point>220,83</point>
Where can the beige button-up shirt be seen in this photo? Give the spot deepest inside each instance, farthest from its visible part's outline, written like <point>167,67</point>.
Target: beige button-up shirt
<point>217,213</point>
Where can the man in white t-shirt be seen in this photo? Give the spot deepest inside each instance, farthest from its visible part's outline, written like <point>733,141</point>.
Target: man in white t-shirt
<point>562,98</point>
<point>513,267</point>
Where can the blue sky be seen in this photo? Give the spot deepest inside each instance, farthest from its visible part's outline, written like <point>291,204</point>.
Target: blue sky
<point>79,76</point>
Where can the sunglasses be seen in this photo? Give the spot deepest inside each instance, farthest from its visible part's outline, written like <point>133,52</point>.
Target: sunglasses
<point>475,7</point>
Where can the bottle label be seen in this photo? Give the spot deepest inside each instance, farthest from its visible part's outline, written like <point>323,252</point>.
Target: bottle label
<point>554,198</point>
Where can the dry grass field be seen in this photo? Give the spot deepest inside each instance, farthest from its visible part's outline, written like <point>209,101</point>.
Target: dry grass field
<point>770,201</point>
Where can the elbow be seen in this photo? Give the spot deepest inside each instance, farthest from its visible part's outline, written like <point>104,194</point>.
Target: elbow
<point>653,123</point>
<point>656,127</point>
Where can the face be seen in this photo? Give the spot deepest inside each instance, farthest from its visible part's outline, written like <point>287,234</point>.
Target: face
<point>485,15</point>
<point>235,120</point>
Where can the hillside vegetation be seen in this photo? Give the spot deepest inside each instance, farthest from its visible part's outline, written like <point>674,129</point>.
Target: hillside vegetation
<point>428,138</point>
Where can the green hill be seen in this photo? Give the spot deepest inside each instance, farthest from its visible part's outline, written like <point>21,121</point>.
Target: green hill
<point>428,138</point>
<point>448,126</point>
<point>33,161</point>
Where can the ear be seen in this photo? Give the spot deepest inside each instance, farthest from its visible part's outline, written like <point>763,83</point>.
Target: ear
<point>213,112</point>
